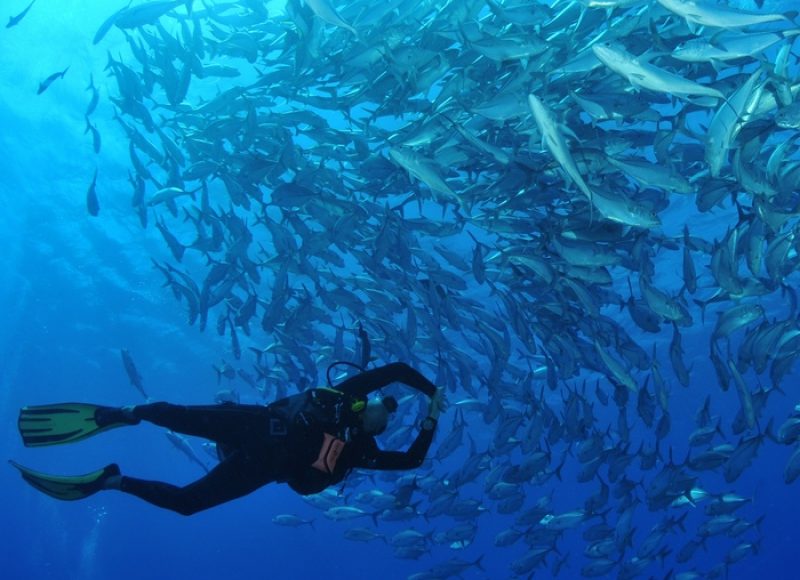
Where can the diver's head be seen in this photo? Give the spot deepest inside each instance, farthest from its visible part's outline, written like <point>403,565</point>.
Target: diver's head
<point>375,416</point>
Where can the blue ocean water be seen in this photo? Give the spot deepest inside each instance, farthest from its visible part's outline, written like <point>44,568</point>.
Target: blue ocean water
<point>75,290</point>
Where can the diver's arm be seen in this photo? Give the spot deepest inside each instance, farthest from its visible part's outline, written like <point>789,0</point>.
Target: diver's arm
<point>365,383</point>
<point>375,458</point>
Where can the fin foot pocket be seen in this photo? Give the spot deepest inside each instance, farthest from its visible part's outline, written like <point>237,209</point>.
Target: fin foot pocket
<point>62,423</point>
<point>68,487</point>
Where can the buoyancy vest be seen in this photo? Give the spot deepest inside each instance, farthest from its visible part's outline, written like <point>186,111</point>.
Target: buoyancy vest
<point>317,425</point>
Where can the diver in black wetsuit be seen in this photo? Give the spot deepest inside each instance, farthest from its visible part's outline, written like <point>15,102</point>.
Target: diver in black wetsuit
<point>310,440</point>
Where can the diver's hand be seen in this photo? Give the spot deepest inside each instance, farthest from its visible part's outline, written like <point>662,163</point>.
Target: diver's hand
<point>438,404</point>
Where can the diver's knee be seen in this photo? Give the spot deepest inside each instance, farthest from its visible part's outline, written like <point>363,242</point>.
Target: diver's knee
<point>188,507</point>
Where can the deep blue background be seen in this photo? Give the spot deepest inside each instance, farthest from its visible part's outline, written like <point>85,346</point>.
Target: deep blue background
<point>74,290</point>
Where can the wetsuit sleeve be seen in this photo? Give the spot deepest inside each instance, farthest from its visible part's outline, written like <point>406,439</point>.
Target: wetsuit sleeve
<point>365,383</point>
<point>375,458</point>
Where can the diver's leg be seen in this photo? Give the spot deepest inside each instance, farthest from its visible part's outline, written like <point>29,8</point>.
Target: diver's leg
<point>238,475</point>
<point>229,423</point>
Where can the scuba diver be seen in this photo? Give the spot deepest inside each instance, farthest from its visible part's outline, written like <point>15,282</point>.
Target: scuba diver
<point>310,440</point>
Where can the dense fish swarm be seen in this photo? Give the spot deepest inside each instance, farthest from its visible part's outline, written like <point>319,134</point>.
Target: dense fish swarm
<point>317,173</point>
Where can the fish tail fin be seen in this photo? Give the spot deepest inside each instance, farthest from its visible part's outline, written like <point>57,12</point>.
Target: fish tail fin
<point>768,431</point>
<point>702,304</point>
<point>219,373</point>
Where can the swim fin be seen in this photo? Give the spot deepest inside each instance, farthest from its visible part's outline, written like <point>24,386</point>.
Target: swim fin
<point>68,488</point>
<point>66,422</point>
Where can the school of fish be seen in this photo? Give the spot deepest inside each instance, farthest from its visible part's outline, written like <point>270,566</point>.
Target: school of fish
<point>317,172</point>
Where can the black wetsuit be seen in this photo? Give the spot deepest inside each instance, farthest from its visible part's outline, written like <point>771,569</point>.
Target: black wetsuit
<point>280,442</point>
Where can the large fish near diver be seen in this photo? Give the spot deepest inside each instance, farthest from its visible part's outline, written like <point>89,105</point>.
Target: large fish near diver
<point>642,74</point>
